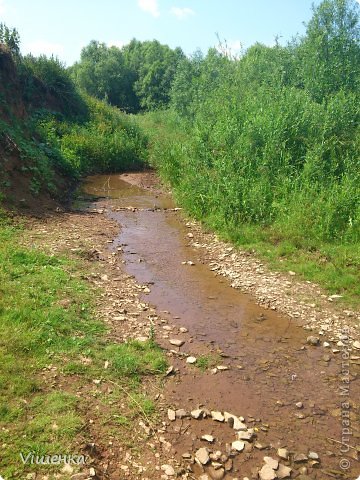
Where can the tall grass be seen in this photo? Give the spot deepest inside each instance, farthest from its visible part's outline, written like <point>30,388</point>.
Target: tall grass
<point>261,148</point>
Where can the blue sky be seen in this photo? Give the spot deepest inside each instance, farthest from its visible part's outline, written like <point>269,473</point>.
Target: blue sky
<point>64,27</point>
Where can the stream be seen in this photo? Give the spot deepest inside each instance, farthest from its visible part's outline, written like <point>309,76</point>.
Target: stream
<point>270,367</point>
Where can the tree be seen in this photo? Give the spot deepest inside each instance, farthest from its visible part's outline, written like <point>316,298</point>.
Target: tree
<point>10,38</point>
<point>154,66</point>
<point>102,73</point>
<point>329,55</point>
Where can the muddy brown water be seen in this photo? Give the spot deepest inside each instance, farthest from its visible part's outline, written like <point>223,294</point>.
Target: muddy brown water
<point>270,366</point>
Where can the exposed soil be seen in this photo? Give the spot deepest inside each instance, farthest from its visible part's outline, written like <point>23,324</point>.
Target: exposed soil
<point>171,277</point>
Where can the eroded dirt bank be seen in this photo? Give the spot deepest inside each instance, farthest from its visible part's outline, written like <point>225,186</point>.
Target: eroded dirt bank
<point>282,390</point>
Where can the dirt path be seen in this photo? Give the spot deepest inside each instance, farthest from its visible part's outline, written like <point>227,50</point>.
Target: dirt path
<point>163,276</point>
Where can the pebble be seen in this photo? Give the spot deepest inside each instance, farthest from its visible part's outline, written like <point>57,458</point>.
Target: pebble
<point>299,405</point>
<point>238,445</point>
<point>283,453</point>
<point>216,473</point>
<point>267,473</point>
<point>183,330</point>
<point>234,422</point>
<point>245,435</point>
<point>198,413</point>
<point>272,462</point>
<point>300,457</point>
<point>202,455</point>
<point>181,413</point>
<point>313,456</point>
<point>208,438</point>
<point>356,345</point>
<point>176,342</point>
<point>283,471</point>
<point>67,469</point>
<point>312,340</point>
<point>171,415</point>
<point>191,360</point>
<point>168,470</point>
<point>218,416</point>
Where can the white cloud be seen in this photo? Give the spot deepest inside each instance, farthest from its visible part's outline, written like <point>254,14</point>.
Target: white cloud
<point>182,13</point>
<point>150,6</point>
<point>44,48</point>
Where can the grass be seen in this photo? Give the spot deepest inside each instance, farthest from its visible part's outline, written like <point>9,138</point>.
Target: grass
<point>207,361</point>
<point>335,266</point>
<point>43,344</point>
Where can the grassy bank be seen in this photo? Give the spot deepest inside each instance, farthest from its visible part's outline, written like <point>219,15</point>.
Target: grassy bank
<point>335,265</point>
<point>51,347</point>
<point>264,147</point>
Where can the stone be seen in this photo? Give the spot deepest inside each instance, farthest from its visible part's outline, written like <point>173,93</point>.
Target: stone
<point>176,342</point>
<point>299,405</point>
<point>181,413</point>
<point>234,421</point>
<point>303,471</point>
<point>171,415</point>
<point>168,470</point>
<point>67,469</point>
<point>170,370</point>
<point>283,453</point>
<point>300,457</point>
<point>202,455</point>
<point>191,360</point>
<point>313,456</point>
<point>312,340</point>
<point>216,473</point>
<point>267,473</point>
<point>204,476</point>
<point>238,445</point>
<point>272,462</point>
<point>217,416</point>
<point>208,438</point>
<point>198,413</point>
<point>356,345</point>
<point>326,344</point>
<point>228,465</point>
<point>215,455</point>
<point>259,446</point>
<point>247,435</point>
<point>283,471</point>
<point>222,367</point>
<point>92,472</point>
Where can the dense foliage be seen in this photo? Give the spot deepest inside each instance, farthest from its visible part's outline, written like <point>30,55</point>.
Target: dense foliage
<point>273,138</point>
<point>54,131</point>
<point>138,76</point>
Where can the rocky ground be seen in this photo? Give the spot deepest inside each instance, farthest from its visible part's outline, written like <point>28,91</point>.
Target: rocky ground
<point>220,416</point>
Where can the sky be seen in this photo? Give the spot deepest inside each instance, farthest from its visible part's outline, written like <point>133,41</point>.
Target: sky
<point>63,27</point>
